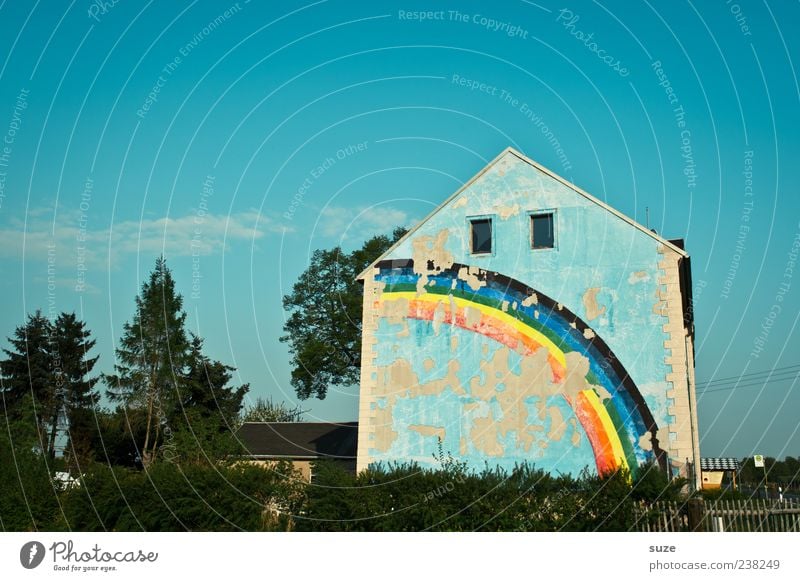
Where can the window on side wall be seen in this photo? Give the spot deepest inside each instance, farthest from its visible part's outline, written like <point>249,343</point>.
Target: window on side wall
<point>542,230</point>
<point>481,235</point>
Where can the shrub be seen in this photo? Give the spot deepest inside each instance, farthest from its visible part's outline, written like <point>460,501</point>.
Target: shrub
<point>172,497</point>
<point>406,497</point>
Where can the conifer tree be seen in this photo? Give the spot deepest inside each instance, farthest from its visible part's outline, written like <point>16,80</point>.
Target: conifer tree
<point>153,352</point>
<point>46,374</point>
<point>30,379</point>
<point>74,343</point>
<point>205,388</point>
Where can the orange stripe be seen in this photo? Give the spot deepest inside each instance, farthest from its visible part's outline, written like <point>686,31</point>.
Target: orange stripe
<point>598,438</point>
<point>489,326</point>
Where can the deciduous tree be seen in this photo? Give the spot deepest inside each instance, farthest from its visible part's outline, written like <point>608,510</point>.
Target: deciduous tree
<point>323,328</point>
<point>266,410</point>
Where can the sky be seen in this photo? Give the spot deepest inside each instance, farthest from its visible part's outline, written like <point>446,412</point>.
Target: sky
<point>238,137</point>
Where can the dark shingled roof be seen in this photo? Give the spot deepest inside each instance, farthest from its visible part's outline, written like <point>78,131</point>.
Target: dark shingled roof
<point>300,439</point>
<point>719,464</point>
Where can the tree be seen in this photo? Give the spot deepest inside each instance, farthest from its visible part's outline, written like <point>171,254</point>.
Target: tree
<point>172,397</point>
<point>265,410</point>
<point>152,355</point>
<point>323,328</point>
<point>29,371</point>
<point>48,362</point>
<point>205,387</point>
<point>74,343</point>
<point>115,441</point>
<point>207,414</point>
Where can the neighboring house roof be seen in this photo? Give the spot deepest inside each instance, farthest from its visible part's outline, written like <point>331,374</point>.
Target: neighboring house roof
<point>719,464</point>
<point>300,440</point>
<point>512,151</point>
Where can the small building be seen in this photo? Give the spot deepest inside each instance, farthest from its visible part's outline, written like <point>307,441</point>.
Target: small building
<point>526,320</point>
<point>714,469</point>
<point>301,443</point>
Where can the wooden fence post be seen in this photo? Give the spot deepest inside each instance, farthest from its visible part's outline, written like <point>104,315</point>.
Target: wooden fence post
<point>696,511</point>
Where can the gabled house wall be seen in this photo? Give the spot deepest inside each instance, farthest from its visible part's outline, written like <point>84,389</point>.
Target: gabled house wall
<point>568,357</point>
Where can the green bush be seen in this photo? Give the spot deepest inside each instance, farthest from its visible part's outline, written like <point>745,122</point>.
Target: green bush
<point>196,497</point>
<point>407,497</point>
<point>28,496</point>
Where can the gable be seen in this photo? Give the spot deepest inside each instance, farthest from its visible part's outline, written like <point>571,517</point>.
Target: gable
<point>532,187</point>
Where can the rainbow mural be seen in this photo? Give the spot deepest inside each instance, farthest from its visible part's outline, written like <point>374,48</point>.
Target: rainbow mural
<point>615,426</point>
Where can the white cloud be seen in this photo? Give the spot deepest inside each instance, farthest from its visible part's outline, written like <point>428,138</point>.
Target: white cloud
<point>71,237</point>
<point>360,223</point>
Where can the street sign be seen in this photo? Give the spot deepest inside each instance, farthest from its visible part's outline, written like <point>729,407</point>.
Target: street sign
<point>758,460</point>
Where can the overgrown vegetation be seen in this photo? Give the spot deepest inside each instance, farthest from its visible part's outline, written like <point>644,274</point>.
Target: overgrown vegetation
<point>165,457</point>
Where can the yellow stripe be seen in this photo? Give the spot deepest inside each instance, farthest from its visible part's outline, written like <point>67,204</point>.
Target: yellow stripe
<point>504,318</point>
<point>608,426</point>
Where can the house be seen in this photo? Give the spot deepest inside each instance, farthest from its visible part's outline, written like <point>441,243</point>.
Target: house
<point>526,320</point>
<point>301,443</point>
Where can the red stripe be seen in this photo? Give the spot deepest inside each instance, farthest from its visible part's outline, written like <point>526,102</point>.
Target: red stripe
<point>601,445</point>
<point>488,326</point>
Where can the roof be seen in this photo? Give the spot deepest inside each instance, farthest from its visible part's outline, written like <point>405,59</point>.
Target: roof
<point>512,151</point>
<point>719,464</point>
<point>300,440</point>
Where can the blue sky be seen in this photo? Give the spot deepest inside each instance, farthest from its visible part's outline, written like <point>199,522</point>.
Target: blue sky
<point>202,130</point>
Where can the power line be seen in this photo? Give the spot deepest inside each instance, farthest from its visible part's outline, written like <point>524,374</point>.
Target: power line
<point>739,380</point>
<point>746,385</point>
<point>765,372</point>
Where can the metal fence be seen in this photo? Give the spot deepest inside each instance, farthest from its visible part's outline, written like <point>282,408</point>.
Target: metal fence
<point>751,515</point>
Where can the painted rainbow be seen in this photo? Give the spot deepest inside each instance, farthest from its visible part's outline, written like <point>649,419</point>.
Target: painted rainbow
<point>526,320</point>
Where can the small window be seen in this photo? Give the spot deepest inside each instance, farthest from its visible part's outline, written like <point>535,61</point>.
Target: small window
<point>542,235</point>
<point>481,235</point>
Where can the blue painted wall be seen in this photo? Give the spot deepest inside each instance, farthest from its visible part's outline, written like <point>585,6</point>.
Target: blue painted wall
<point>594,249</point>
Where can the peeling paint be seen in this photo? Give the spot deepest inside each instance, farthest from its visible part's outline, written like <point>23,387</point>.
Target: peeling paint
<point>430,255</point>
<point>639,276</point>
<point>576,435</point>
<point>557,425</point>
<point>484,436</point>
<point>469,275</point>
<point>506,212</point>
<point>429,431</point>
<point>593,309</point>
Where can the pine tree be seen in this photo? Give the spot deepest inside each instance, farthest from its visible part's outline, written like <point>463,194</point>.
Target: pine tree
<point>74,343</point>
<point>30,378</point>
<point>46,373</point>
<point>202,425</point>
<point>205,387</point>
<point>151,357</point>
